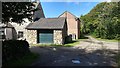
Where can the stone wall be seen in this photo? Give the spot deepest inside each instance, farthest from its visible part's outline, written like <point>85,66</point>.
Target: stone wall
<point>31,36</point>
<point>58,38</point>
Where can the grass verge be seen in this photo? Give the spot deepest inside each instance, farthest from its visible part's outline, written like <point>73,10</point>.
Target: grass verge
<point>23,61</point>
<point>45,45</point>
<point>69,44</point>
<point>106,40</point>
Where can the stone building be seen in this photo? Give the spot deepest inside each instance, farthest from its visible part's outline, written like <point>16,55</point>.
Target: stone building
<point>47,30</point>
<point>73,24</point>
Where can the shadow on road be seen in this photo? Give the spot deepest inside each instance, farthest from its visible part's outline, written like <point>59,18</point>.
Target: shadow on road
<point>62,56</point>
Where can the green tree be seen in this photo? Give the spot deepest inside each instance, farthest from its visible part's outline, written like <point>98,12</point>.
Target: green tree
<point>104,20</point>
<point>16,11</point>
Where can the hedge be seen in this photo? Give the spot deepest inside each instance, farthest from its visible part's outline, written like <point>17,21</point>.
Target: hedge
<point>14,49</point>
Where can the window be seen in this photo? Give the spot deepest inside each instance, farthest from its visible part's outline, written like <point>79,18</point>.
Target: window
<point>1,32</point>
<point>20,34</point>
<point>2,35</point>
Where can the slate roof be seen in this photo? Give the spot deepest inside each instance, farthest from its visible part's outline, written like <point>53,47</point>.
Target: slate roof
<point>39,12</point>
<point>48,23</point>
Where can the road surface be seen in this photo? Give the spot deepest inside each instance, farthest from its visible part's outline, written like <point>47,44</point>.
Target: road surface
<point>89,52</point>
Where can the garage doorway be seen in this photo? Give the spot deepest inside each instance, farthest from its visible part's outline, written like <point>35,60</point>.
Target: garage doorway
<point>45,36</point>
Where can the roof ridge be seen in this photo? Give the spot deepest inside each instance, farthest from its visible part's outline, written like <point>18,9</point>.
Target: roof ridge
<point>48,23</point>
<point>53,18</point>
<point>66,12</point>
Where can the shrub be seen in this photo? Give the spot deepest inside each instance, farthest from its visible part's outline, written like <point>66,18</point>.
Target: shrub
<point>14,49</point>
<point>68,39</point>
<point>117,37</point>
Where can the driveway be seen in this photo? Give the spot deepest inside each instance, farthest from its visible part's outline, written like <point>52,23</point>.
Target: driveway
<point>89,52</point>
<point>92,44</point>
<point>0,52</point>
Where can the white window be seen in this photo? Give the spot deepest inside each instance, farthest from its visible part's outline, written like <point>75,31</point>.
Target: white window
<point>2,34</point>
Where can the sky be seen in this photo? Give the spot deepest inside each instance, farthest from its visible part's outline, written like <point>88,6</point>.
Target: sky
<point>54,9</point>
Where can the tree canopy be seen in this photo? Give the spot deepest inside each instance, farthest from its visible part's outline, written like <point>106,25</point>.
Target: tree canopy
<point>103,21</point>
<point>16,11</point>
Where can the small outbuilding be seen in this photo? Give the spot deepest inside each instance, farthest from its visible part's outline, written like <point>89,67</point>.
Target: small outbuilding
<point>7,31</point>
<point>47,30</point>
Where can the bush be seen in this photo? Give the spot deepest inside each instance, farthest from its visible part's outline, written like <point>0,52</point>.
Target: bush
<point>68,39</point>
<point>23,61</point>
<point>14,49</point>
<point>117,37</point>
<point>96,33</point>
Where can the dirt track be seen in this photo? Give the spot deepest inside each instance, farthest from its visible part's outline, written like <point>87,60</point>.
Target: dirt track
<point>89,52</point>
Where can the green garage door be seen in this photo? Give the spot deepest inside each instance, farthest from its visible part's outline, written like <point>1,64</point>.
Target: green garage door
<point>46,36</point>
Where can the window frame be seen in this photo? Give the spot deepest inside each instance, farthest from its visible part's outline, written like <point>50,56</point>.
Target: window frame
<point>20,34</point>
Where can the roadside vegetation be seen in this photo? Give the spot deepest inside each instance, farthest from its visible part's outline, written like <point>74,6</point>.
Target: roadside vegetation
<point>103,21</point>
<point>73,43</point>
<point>16,53</point>
<point>26,60</point>
<point>17,11</point>
<point>106,40</point>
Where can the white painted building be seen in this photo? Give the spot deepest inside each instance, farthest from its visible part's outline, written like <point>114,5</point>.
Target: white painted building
<point>18,30</point>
